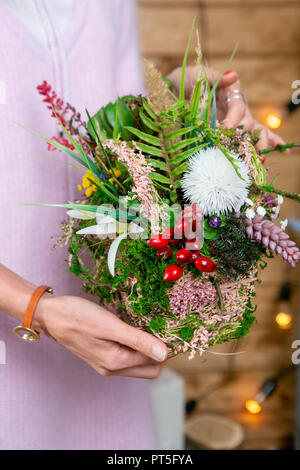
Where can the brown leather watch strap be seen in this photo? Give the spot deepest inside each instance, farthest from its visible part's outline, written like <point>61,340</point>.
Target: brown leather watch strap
<point>33,304</point>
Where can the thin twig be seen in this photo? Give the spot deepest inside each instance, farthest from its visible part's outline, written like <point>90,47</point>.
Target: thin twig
<point>279,148</point>
<point>270,189</point>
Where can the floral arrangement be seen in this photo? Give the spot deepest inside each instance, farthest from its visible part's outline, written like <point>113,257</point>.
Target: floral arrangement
<point>175,216</point>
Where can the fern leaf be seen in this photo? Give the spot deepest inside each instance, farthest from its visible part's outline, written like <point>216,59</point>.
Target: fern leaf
<point>157,164</point>
<point>179,133</point>
<point>182,144</point>
<point>148,122</point>
<point>150,150</point>
<point>148,109</point>
<point>160,178</point>
<point>185,155</point>
<point>150,139</point>
<point>180,169</point>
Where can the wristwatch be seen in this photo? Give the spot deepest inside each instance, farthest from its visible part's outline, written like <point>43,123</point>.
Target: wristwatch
<point>25,331</point>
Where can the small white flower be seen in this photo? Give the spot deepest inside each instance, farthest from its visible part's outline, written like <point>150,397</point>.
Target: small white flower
<point>250,214</point>
<point>249,202</point>
<point>279,199</point>
<point>261,211</point>
<point>283,224</point>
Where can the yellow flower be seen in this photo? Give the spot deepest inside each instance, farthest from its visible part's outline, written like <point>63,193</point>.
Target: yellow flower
<point>89,192</point>
<point>117,173</point>
<point>87,183</point>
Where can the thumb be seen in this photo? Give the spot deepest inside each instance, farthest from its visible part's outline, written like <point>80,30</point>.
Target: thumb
<point>141,341</point>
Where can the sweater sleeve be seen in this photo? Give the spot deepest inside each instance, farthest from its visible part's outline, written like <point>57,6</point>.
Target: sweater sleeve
<point>129,74</point>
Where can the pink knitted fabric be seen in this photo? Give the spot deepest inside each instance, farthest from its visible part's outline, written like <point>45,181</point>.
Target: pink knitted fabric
<point>49,399</point>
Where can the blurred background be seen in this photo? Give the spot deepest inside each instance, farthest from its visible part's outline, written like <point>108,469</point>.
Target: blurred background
<point>268,62</point>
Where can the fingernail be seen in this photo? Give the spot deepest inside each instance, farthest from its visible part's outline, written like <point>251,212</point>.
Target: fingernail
<point>159,354</point>
<point>228,71</point>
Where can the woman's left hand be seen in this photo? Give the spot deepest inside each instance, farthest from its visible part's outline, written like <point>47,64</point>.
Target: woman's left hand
<point>232,106</point>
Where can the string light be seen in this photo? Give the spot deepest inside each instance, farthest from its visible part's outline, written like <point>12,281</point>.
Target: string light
<point>273,120</point>
<point>283,320</point>
<point>253,406</point>
<point>283,316</point>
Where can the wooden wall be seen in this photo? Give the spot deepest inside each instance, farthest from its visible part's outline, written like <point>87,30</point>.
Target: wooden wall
<point>268,61</point>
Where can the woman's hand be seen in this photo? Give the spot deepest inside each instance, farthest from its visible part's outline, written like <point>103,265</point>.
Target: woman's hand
<point>98,337</point>
<point>232,107</point>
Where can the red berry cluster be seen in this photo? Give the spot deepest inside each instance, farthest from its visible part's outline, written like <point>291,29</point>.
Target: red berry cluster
<point>176,237</point>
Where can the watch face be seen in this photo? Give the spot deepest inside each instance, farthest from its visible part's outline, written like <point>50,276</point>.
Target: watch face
<point>27,334</point>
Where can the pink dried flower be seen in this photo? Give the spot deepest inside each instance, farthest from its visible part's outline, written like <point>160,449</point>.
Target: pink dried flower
<point>273,237</point>
<point>140,171</point>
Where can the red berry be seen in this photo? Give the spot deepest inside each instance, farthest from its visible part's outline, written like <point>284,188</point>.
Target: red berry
<point>184,256</point>
<point>195,255</point>
<point>205,264</point>
<point>158,241</point>
<point>181,229</point>
<point>165,253</point>
<point>192,244</point>
<point>173,273</point>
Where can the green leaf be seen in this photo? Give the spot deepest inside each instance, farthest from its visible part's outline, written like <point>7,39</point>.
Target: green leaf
<point>210,234</point>
<point>185,155</point>
<point>214,111</point>
<point>149,110</point>
<point>182,81</point>
<point>157,164</point>
<point>182,144</point>
<point>115,132</point>
<point>87,162</point>
<point>195,101</point>
<point>179,133</point>
<point>180,169</point>
<point>101,145</point>
<point>148,122</point>
<point>94,209</point>
<point>150,139</point>
<point>160,178</point>
<point>156,152</point>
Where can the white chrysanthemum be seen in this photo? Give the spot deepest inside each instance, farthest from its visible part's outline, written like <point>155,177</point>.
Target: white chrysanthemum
<point>212,182</point>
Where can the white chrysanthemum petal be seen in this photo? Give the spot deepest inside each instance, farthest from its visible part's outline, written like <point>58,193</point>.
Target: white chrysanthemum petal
<point>212,182</point>
<point>249,202</point>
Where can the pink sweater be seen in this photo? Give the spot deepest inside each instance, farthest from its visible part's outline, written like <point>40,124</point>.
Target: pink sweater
<point>49,399</point>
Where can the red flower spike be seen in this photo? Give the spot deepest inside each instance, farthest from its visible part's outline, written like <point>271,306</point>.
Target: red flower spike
<point>164,253</point>
<point>158,241</point>
<point>195,255</point>
<point>181,229</point>
<point>184,256</point>
<point>205,264</point>
<point>172,273</point>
